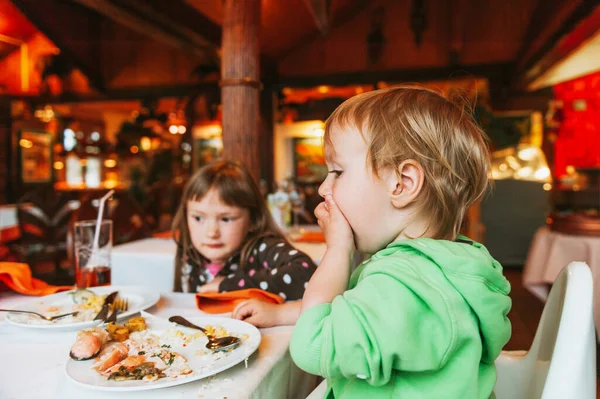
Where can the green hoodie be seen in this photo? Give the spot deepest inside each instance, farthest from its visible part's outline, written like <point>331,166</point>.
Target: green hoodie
<point>422,318</point>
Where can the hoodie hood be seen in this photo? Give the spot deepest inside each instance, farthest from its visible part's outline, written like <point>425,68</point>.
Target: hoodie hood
<point>477,276</point>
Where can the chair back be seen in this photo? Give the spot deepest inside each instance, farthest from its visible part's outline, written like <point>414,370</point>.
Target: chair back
<point>561,362</point>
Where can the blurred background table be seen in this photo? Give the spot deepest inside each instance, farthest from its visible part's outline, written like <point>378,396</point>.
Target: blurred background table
<point>38,358</point>
<point>551,251</point>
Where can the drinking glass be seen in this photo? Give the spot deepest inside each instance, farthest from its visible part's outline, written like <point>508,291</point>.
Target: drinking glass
<point>92,269</point>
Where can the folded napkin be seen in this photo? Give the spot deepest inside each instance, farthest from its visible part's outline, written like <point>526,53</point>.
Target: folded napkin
<point>17,276</point>
<point>224,302</point>
<point>311,236</point>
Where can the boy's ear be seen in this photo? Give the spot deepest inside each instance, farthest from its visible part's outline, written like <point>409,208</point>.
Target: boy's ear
<point>405,183</point>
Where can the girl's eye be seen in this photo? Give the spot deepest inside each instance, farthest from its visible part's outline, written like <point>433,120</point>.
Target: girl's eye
<point>337,173</point>
<point>197,218</point>
<point>227,219</point>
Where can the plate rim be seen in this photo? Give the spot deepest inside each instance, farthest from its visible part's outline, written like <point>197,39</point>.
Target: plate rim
<point>175,382</point>
<point>153,298</point>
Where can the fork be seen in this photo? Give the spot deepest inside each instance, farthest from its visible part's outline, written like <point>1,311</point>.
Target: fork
<point>120,305</point>
<point>48,318</point>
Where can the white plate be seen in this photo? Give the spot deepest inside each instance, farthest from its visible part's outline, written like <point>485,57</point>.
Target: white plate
<point>203,366</point>
<point>139,298</point>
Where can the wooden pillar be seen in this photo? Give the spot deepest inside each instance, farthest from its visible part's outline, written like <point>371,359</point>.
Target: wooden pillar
<point>240,83</point>
<point>5,143</point>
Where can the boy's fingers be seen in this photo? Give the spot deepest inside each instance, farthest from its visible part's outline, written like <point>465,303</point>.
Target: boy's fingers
<point>321,211</point>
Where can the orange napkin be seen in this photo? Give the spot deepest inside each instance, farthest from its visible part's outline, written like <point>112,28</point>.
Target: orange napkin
<point>224,302</point>
<point>311,236</point>
<point>163,234</point>
<point>17,276</point>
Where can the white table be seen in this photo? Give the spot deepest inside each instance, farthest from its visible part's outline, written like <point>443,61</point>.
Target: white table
<point>151,262</point>
<point>33,364</point>
<point>550,252</point>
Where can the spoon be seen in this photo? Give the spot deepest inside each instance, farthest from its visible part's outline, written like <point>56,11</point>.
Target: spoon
<point>214,343</point>
<point>49,318</point>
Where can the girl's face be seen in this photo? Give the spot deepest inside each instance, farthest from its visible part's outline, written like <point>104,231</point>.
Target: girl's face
<point>217,230</point>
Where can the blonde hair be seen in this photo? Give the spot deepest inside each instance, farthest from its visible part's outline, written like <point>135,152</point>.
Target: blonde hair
<point>236,187</point>
<point>411,122</point>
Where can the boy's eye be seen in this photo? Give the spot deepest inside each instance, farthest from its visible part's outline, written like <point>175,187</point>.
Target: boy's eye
<point>337,173</point>
<point>227,219</point>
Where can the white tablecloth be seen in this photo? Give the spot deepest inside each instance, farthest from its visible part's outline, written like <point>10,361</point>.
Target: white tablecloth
<point>33,364</point>
<point>550,252</point>
<point>150,262</point>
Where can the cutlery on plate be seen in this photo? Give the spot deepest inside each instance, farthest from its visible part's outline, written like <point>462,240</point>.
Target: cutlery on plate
<point>214,343</point>
<point>120,305</point>
<point>108,301</point>
<point>49,318</point>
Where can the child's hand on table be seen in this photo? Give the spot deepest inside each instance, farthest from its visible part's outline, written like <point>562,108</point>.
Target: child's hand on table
<point>258,313</point>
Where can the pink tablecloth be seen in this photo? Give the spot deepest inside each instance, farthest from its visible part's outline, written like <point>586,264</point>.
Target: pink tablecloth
<point>550,252</point>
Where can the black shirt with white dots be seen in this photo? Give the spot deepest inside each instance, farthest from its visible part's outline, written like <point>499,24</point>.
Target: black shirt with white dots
<point>273,265</point>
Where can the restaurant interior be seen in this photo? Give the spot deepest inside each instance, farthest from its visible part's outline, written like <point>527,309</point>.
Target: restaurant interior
<point>133,97</point>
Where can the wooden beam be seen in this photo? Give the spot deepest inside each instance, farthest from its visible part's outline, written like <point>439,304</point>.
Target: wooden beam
<point>124,93</point>
<point>179,17</point>
<point>397,75</point>
<point>581,25</point>
<point>75,30</point>
<point>345,14</point>
<point>141,18</point>
<point>543,16</point>
<point>321,12</point>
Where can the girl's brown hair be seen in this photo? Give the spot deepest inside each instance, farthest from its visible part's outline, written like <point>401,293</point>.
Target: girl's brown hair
<point>412,122</point>
<point>236,187</point>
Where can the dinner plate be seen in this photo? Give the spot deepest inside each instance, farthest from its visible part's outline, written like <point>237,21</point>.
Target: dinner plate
<point>139,298</point>
<point>202,361</point>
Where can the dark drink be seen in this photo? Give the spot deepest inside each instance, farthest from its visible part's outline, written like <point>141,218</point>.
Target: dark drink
<point>93,276</point>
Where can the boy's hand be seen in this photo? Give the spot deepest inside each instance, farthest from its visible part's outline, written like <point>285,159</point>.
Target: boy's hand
<point>258,313</point>
<point>337,230</point>
<point>213,286</point>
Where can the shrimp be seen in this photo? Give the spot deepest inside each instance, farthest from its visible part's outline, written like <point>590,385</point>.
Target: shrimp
<point>88,344</point>
<point>112,354</point>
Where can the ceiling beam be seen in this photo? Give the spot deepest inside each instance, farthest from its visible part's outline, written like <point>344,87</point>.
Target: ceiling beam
<point>141,17</point>
<point>397,75</point>
<point>580,26</point>
<point>75,30</point>
<point>543,16</point>
<point>125,93</point>
<point>179,16</point>
<point>321,12</point>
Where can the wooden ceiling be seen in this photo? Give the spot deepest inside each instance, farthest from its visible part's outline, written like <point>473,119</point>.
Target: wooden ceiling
<point>141,43</point>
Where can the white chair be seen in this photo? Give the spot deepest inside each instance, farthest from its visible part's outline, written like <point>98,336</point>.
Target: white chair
<point>561,362</point>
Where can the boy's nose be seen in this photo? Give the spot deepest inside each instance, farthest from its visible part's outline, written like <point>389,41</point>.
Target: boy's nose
<point>325,187</point>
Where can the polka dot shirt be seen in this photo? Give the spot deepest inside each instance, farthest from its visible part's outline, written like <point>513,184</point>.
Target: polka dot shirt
<point>273,265</point>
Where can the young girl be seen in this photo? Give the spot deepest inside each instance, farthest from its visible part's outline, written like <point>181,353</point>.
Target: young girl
<point>228,241</point>
<point>425,316</point>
